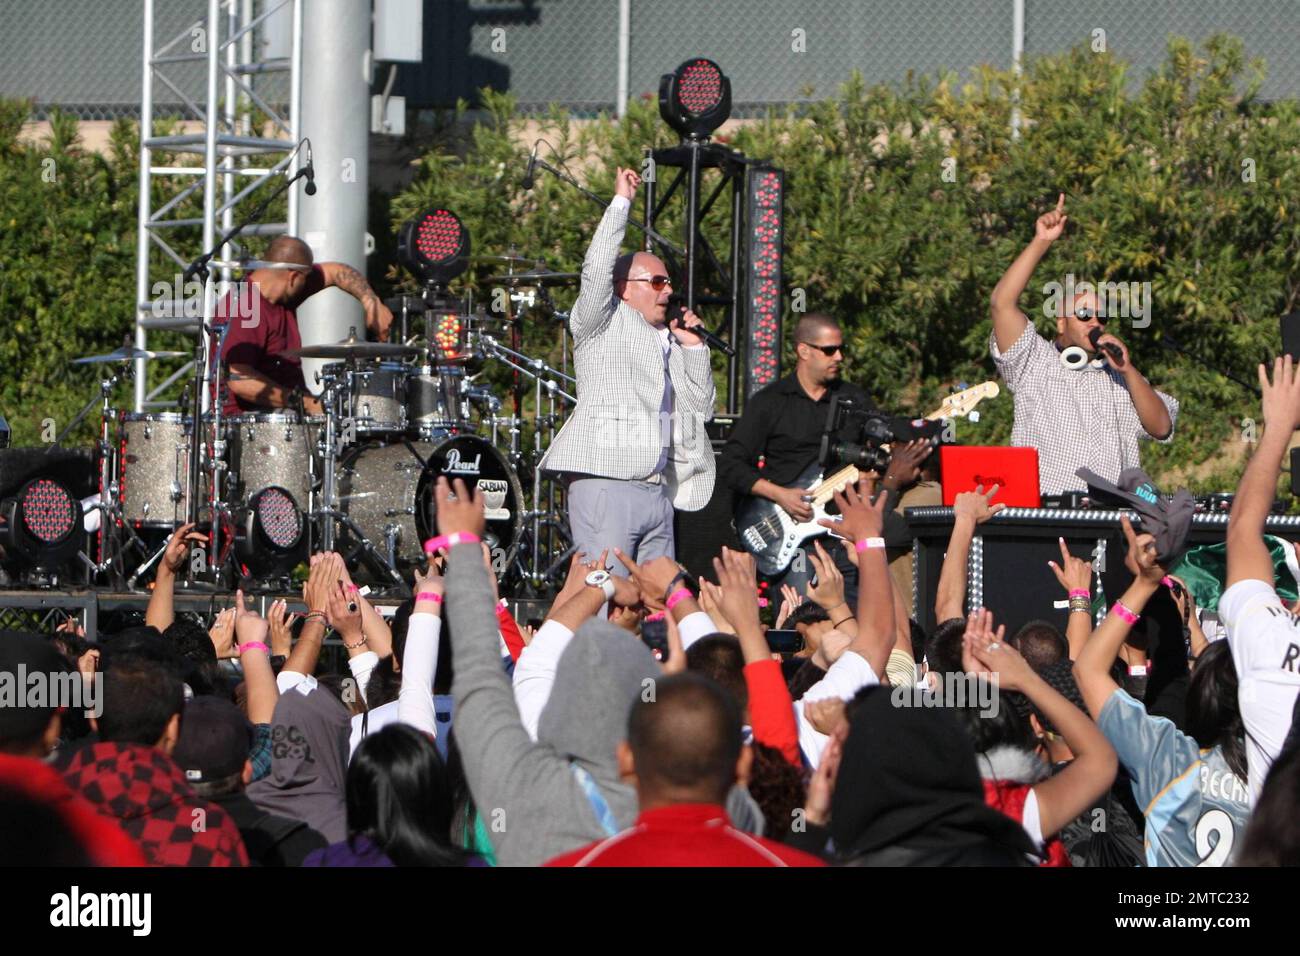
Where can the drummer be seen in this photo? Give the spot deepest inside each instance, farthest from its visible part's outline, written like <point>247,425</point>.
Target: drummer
<point>256,377</point>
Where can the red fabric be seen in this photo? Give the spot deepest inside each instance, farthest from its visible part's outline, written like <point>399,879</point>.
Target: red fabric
<point>687,834</point>
<point>771,710</point>
<point>260,329</point>
<point>105,842</point>
<point>1009,798</point>
<point>143,791</point>
<point>510,631</point>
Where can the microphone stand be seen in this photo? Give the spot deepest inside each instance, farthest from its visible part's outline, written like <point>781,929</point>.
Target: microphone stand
<point>209,378</point>
<point>564,177</point>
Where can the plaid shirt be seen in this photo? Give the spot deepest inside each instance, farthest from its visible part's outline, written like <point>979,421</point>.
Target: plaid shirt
<point>1076,418</point>
<point>260,754</point>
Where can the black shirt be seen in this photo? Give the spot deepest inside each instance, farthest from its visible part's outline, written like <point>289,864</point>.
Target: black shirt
<point>784,426</point>
<point>270,840</point>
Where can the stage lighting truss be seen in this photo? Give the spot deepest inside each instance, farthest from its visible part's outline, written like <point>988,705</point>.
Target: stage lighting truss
<point>434,246</point>
<point>695,99</point>
<point>41,525</point>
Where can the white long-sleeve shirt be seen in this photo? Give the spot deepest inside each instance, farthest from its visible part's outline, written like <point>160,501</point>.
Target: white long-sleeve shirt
<point>535,669</point>
<point>846,677</point>
<point>414,704</point>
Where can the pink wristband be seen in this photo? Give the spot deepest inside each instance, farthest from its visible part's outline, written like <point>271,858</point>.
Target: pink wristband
<point>1124,614</point>
<point>656,616</point>
<point>448,540</point>
<point>1167,581</point>
<point>254,646</point>
<point>433,596</point>
<point>865,543</point>
<point>681,594</point>
<point>1081,592</point>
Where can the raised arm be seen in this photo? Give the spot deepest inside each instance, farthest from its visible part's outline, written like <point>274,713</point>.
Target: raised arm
<point>1063,797</point>
<point>1248,555</point>
<point>340,275</point>
<point>252,632</point>
<point>420,658</point>
<point>1075,575</point>
<point>596,302</point>
<point>1008,321</point>
<point>862,523</point>
<point>970,509</point>
<point>160,613</point>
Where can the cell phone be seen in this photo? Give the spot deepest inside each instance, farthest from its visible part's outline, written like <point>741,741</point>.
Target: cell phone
<point>655,636</point>
<point>784,642</point>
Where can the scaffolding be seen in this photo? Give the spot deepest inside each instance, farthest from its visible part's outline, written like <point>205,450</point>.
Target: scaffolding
<point>240,134</point>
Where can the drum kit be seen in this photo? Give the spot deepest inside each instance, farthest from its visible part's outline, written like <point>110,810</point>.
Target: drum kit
<point>277,485</point>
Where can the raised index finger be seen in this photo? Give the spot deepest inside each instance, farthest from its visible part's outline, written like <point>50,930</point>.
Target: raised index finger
<point>628,563</point>
<point>1060,203</point>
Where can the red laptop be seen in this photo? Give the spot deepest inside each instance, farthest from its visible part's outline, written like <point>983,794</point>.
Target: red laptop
<point>1015,469</point>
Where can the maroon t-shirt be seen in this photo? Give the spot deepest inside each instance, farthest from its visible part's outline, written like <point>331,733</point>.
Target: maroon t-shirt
<point>259,330</point>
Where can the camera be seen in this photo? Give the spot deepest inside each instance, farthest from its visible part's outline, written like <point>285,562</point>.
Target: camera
<point>862,436</point>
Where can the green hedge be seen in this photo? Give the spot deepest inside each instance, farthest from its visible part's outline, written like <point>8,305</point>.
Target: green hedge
<point>1155,171</point>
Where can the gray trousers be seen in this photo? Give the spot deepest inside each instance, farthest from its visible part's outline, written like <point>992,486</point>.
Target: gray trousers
<point>634,516</point>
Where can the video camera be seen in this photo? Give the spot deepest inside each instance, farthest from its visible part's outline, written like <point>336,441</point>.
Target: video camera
<point>872,433</point>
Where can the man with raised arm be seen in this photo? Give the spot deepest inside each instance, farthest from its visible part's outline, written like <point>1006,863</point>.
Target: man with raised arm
<point>635,447</point>
<point>1263,634</point>
<point>1091,416</point>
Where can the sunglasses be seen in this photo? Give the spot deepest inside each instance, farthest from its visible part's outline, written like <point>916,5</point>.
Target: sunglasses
<point>827,350</point>
<point>656,282</point>
<point>1086,313</point>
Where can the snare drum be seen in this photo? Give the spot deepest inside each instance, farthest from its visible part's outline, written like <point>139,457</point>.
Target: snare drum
<point>378,398</point>
<point>436,401</point>
<point>270,449</point>
<point>153,467</point>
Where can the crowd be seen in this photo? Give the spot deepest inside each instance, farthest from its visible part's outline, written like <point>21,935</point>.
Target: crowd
<point>459,739</point>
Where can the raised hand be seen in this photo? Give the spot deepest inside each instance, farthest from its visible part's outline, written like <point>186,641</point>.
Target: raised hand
<point>1141,557</point>
<point>321,579</point>
<point>222,634</point>
<point>829,592</point>
<point>860,518</point>
<point>1074,574</point>
<point>975,505</point>
<point>652,578</point>
<point>178,548</point>
<point>626,182</point>
<point>711,604</point>
<point>736,578</point>
<point>249,625</point>
<point>427,581</point>
<point>821,788</point>
<point>344,614</point>
<point>1281,402</point>
<point>281,627</point>
<point>905,464</point>
<point>825,715</point>
<point>1050,225</point>
<point>459,510</point>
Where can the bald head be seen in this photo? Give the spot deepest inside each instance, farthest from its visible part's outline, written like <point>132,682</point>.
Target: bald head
<point>686,742</point>
<point>289,249</point>
<point>630,272</point>
<point>814,333</point>
<point>811,325</point>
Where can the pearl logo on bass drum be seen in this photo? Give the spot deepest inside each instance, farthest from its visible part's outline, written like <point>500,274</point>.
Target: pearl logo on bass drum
<point>457,467</point>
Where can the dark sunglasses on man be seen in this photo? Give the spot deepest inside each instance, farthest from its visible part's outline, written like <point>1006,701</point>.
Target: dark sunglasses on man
<point>827,350</point>
<point>1086,313</point>
<point>656,282</point>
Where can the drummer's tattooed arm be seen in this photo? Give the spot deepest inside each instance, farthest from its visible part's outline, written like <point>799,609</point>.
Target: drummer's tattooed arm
<point>343,276</point>
<point>258,389</point>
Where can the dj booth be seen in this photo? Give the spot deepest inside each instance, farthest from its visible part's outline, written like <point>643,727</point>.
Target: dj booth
<point>1008,572</point>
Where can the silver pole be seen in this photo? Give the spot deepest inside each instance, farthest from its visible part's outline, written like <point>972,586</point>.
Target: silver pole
<point>624,54</point>
<point>295,104</point>
<point>1017,52</point>
<point>144,210</point>
<point>336,118</point>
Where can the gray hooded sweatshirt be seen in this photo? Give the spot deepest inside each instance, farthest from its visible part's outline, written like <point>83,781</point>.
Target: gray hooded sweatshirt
<point>530,799</point>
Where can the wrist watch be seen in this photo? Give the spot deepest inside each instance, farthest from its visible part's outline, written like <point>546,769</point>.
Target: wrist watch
<point>604,581</point>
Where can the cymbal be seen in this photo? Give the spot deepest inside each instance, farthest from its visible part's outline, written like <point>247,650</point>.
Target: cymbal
<point>534,278</point>
<point>352,350</point>
<point>510,260</point>
<point>127,353</point>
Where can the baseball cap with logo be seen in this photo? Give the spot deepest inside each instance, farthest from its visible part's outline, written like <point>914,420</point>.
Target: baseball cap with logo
<point>1167,519</point>
<point>215,740</point>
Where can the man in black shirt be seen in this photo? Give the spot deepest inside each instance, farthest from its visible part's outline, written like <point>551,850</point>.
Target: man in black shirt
<point>783,425</point>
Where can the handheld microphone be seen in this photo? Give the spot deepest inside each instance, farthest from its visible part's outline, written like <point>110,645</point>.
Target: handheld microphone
<point>677,310</point>
<point>310,188</point>
<point>1110,348</point>
<point>527,181</point>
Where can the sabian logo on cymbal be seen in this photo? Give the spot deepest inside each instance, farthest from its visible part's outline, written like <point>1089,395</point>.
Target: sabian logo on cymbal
<point>456,466</point>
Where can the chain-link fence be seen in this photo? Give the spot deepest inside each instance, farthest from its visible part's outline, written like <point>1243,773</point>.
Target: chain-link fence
<point>86,57</point>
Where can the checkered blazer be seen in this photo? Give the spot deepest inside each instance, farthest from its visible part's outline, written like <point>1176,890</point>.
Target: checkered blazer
<point>615,431</point>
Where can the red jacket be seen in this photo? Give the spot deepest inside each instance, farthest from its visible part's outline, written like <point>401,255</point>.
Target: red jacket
<point>104,842</point>
<point>143,790</point>
<point>771,711</point>
<point>686,834</point>
<point>1008,796</point>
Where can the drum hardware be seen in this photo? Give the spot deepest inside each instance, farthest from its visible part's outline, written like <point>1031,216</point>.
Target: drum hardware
<point>537,277</point>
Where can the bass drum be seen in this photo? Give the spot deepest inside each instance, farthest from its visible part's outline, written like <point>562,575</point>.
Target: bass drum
<point>387,493</point>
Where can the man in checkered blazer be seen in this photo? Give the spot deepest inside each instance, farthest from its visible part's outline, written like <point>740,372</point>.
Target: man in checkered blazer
<point>1092,416</point>
<point>635,447</point>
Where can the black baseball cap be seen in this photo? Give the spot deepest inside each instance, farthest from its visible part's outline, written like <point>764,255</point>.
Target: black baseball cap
<point>215,740</point>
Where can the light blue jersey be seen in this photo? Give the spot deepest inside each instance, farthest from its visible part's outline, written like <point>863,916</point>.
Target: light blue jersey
<point>1196,808</point>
